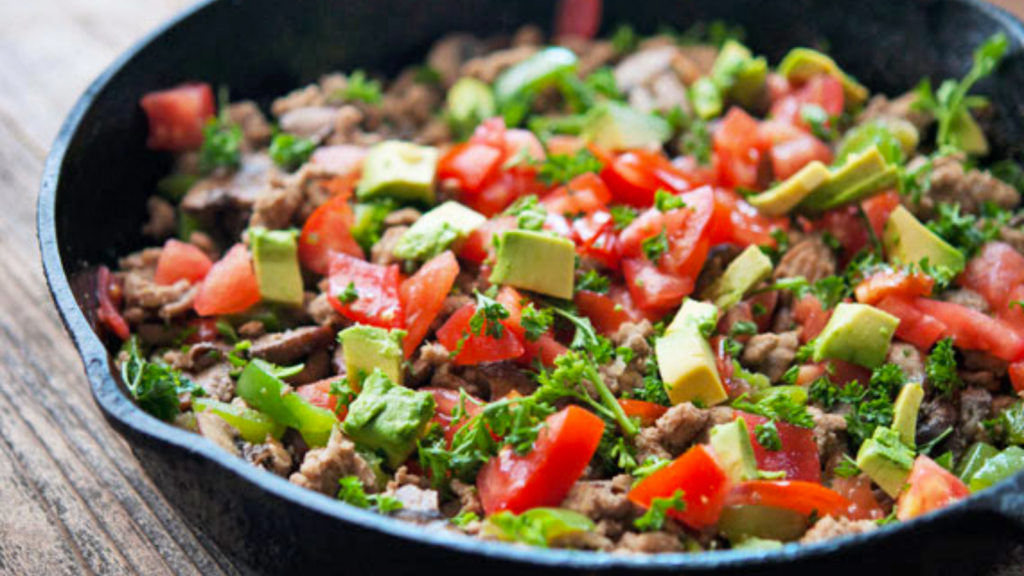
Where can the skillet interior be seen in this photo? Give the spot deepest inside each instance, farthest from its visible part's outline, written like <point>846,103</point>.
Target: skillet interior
<point>99,173</point>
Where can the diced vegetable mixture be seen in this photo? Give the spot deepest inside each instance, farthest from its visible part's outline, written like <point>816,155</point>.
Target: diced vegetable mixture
<point>634,294</point>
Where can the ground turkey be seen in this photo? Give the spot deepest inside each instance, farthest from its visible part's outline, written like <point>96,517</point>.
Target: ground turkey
<point>771,354</point>
<point>830,527</point>
<point>322,468</point>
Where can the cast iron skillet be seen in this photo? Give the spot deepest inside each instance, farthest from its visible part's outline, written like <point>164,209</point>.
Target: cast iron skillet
<point>99,173</point>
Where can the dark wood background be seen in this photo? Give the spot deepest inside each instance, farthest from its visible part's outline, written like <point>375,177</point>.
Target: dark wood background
<point>73,500</point>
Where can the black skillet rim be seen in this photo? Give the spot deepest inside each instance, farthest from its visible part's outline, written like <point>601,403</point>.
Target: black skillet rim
<point>120,408</point>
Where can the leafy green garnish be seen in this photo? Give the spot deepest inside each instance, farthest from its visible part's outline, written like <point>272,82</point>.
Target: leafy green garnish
<point>289,151</point>
<point>156,387</point>
<point>665,201</point>
<point>222,145</point>
<point>654,518</point>
<point>816,117</point>
<point>593,281</point>
<point>847,468</point>
<point>623,216</point>
<point>941,369</point>
<point>351,492</point>
<point>361,88</point>
<point>488,316</point>
<point>561,168</point>
<point>650,465</point>
<point>529,212</point>
<point>767,435</point>
<point>777,407</point>
<point>655,246</point>
<point>624,39</point>
<point>536,322</point>
<point>349,294</point>
<point>962,230</point>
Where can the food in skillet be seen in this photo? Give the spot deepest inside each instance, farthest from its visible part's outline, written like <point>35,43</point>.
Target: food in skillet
<point>636,295</point>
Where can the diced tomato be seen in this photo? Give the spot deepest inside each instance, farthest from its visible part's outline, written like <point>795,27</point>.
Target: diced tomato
<point>652,289</point>
<point>422,296</point>
<point>778,87</point>
<point>544,476</point>
<point>516,141</point>
<point>546,348</point>
<point>490,132</point>
<point>687,230</point>
<point>994,273</point>
<point>327,230</point>
<point>203,330</point>
<point>340,159</point>
<point>230,286</point>
<point>479,246</point>
<point>842,372</point>
<point>577,18</point>
<point>802,497</point>
<point>739,149</point>
<point>633,177</point>
<point>703,482</point>
<point>1016,371</point>
<point>604,249</point>
<point>789,157</point>
<point>470,164</point>
<point>319,394</point>
<point>608,311</point>
<point>808,373</point>
<point>378,302</point>
<point>447,401</point>
<point>181,261</point>
<point>881,285</point>
<point>109,292</point>
<point>811,317</point>
<point>503,190</point>
<point>694,172</point>
<point>930,487</point>
<point>589,229</point>
<point>476,349</point>
<point>915,327</point>
<point>564,144</point>
<point>584,194</point>
<point>847,228</point>
<point>735,221</point>
<point>973,330</point>
<point>647,412</point>
<point>822,90</point>
<point>775,132</point>
<point>878,208</point>
<point>798,457</point>
<point>857,489</point>
<point>177,116</point>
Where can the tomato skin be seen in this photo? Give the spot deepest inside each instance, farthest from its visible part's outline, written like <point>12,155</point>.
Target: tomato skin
<point>108,291</point>
<point>975,331</point>
<point>798,457</point>
<point>789,157</point>
<point>994,273</point>
<point>703,482</point>
<point>802,497</point>
<point>735,221</point>
<point>585,193</point>
<point>811,317</point>
<point>915,327</point>
<point>847,228</point>
<point>857,490</point>
<point>422,296</point>
<point>881,285</point>
<point>446,401</point>
<point>1016,371</point>
<point>319,394</point>
<point>327,230</point>
<point>647,412</point>
<point>822,90</point>
<point>477,349</point>
<point>544,476</point>
<point>545,347</point>
<point>177,116</point>
<point>471,164</point>
<point>608,311</point>
<point>633,177</point>
<point>578,18</point>
<point>878,208</point>
<point>378,303</point>
<point>739,149</point>
<point>652,289</point>
<point>931,487</point>
<point>230,286</point>
<point>181,261</point>
<point>479,246</point>
<point>688,232</point>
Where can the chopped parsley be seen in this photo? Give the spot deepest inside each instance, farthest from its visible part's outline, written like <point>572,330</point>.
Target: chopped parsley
<point>767,435</point>
<point>351,492</point>
<point>222,145</point>
<point>561,168</point>
<point>536,322</point>
<point>593,281</point>
<point>962,230</point>
<point>650,465</point>
<point>428,75</point>
<point>665,201</point>
<point>529,212</point>
<point>349,294</point>
<point>486,321</point>
<point>622,216</point>
<point>940,369</point>
<point>289,151</point>
<point>847,468</point>
<point>743,328</point>
<point>624,39</point>
<point>156,387</point>
<point>819,121</point>
<point>654,518</point>
<point>655,246</point>
<point>777,407</point>
<point>361,88</point>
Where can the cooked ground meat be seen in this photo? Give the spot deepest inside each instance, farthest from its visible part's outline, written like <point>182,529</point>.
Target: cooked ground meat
<point>810,258</point>
<point>971,189</point>
<point>881,106</point>
<point>983,370</point>
<point>383,250</point>
<point>966,297</point>
<point>271,455</point>
<point>162,219</point>
<point>487,68</point>
<point>831,527</point>
<point>908,358</point>
<point>975,408</point>
<point>649,542</point>
<point>292,345</point>
<point>936,415</point>
<point>256,131</point>
<point>322,468</point>
<point>216,381</point>
<point>830,434</point>
<point>771,354</point>
<point>603,499</point>
<point>674,432</point>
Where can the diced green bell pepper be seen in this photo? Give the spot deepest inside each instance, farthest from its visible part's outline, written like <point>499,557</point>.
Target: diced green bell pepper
<point>767,522</point>
<point>998,468</point>
<point>253,426</point>
<point>264,391</point>
<point>974,459</point>
<point>534,74</point>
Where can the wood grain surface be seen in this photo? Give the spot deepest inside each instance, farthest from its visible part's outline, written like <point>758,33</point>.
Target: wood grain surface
<point>73,500</point>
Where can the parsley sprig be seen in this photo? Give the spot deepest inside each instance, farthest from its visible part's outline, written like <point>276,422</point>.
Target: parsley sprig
<point>155,386</point>
<point>655,516</point>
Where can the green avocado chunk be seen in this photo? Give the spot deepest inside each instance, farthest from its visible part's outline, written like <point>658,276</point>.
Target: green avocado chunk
<point>706,98</point>
<point>905,410</point>
<point>399,170</point>
<point>388,417</point>
<point>886,460</point>
<point>618,126</point>
<point>856,333</point>
<point>860,176</point>
<point>786,195</point>
<point>537,526</point>
<point>252,426</point>
<point>535,261</point>
<point>907,241</point>
<point>739,75</point>
<point>688,367</point>
<point>264,391</point>
<point>470,101</point>
<point>276,257</point>
<point>694,313</point>
<point>369,220</point>
<point>369,348</point>
<point>973,459</point>
<point>967,135</point>
<point>801,64</point>
<point>748,270</point>
<point>535,73</point>
<point>438,230</point>
<point>895,138</point>
<point>735,453</point>
<point>998,468</point>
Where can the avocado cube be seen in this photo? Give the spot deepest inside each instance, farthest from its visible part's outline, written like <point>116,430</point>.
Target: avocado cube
<point>706,98</point>
<point>856,333</point>
<point>388,417</point>
<point>399,170</point>
<point>739,75</point>
<point>688,368</point>
<point>617,126</point>
<point>534,74</point>
<point>861,175</point>
<point>438,230</point>
<point>907,241</point>
<point>886,460</point>
<point>694,313</point>
<point>369,221</point>
<point>801,64</point>
<point>968,136</point>
<point>895,138</point>
<point>535,261</point>
<point>276,259</point>
<point>470,101</point>
<point>369,348</point>
<point>784,196</point>
<point>748,270</point>
<point>734,451</point>
<point>905,410</point>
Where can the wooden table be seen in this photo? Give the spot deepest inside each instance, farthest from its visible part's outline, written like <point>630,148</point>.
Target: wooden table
<point>72,498</point>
